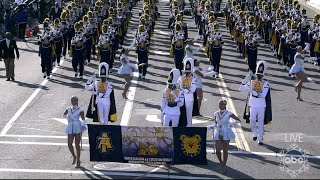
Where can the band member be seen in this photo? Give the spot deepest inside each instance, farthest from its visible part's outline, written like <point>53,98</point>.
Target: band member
<point>125,70</point>
<point>252,53</point>
<point>75,128</point>
<point>102,106</point>
<point>46,52</point>
<point>105,47</point>
<point>297,69</point>
<point>65,30</point>
<point>142,51</point>
<point>89,39</point>
<point>259,101</point>
<point>172,100</point>
<point>215,42</point>
<point>177,47</point>
<point>188,84</point>
<point>58,42</point>
<point>78,51</point>
<point>222,132</point>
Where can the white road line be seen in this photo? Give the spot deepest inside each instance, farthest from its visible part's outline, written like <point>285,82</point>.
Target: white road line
<point>209,150</point>
<point>160,52</point>
<point>152,171</point>
<point>55,137</point>
<point>38,143</point>
<point>38,136</point>
<point>265,154</point>
<point>240,139</point>
<point>100,173</point>
<point>25,105</point>
<point>126,115</point>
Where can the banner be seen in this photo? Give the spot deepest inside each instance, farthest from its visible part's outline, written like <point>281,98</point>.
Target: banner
<point>148,145</point>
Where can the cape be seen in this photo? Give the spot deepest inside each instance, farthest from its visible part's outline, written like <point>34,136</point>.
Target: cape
<point>113,117</point>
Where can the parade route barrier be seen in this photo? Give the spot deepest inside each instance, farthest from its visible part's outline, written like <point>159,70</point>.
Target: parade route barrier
<point>148,145</point>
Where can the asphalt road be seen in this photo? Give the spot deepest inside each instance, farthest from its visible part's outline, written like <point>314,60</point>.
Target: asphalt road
<point>33,143</point>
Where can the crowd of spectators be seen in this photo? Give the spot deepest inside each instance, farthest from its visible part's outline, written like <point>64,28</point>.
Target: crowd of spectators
<point>15,15</point>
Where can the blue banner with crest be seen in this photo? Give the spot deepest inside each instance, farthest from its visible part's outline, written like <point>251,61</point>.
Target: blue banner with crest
<point>148,145</point>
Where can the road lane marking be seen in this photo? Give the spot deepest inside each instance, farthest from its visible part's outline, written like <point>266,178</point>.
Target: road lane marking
<point>25,105</point>
<point>53,137</point>
<point>240,139</point>
<point>154,118</point>
<point>152,171</point>
<point>100,173</point>
<point>38,136</point>
<point>161,53</point>
<point>266,154</point>
<point>127,111</point>
<point>38,143</point>
<point>209,150</point>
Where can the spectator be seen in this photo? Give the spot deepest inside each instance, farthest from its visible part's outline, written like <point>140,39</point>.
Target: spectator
<point>7,48</point>
<point>22,20</point>
<point>8,21</point>
<point>2,26</point>
<point>18,2</point>
<point>55,12</point>
<point>59,3</point>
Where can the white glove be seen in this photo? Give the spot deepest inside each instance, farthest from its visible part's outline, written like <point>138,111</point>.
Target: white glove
<point>210,74</point>
<point>246,79</point>
<point>91,79</point>
<point>210,127</point>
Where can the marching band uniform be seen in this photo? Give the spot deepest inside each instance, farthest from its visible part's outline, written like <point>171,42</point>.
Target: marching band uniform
<point>78,51</point>
<point>58,42</point>
<point>172,100</point>
<point>105,47</point>
<point>177,47</point>
<point>258,90</point>
<point>142,51</point>
<point>252,52</point>
<point>102,104</point>
<point>46,52</point>
<point>188,84</point>
<point>64,30</point>
<point>215,51</point>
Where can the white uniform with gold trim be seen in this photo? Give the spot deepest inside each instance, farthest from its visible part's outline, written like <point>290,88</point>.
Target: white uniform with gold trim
<point>103,91</point>
<point>257,102</point>
<point>172,101</point>
<point>188,85</point>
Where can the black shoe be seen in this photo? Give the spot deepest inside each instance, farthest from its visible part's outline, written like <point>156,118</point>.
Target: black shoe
<point>260,143</point>
<point>12,79</point>
<point>8,79</point>
<point>254,138</point>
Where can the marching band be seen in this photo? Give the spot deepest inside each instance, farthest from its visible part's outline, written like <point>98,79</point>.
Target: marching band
<point>99,30</point>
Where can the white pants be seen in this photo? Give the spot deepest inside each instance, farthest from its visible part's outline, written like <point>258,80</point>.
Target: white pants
<point>103,112</point>
<point>257,114</point>
<point>173,118</point>
<point>189,109</point>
